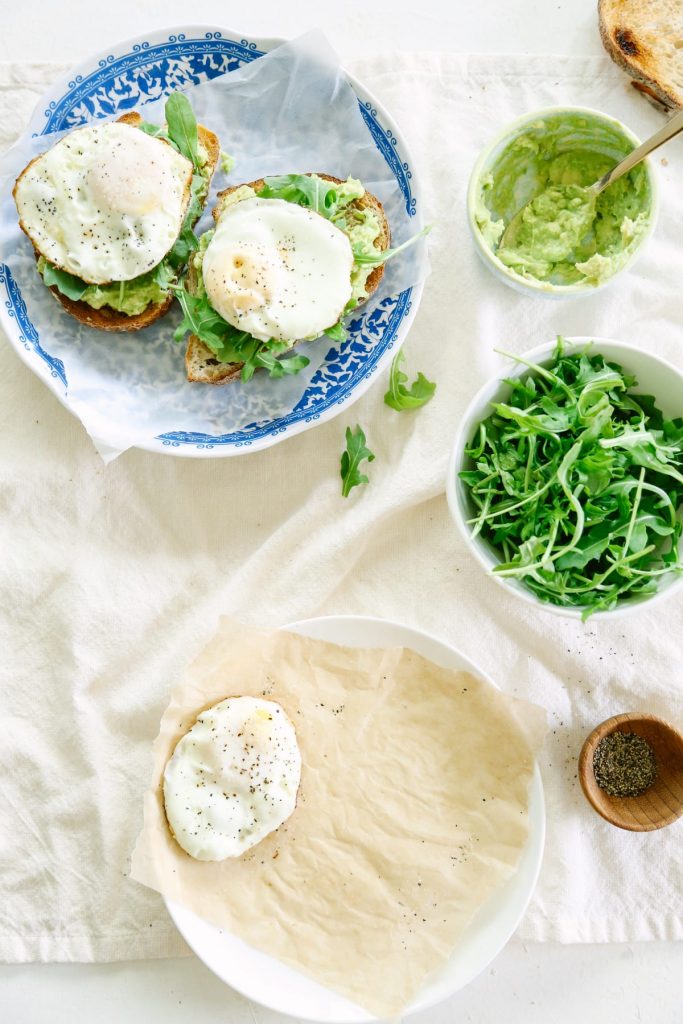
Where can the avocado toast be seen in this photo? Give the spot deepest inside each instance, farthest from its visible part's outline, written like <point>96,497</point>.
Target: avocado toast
<point>220,352</point>
<point>131,304</point>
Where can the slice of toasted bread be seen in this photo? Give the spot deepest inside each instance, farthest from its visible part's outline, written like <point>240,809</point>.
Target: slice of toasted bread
<point>204,368</point>
<point>106,318</point>
<point>200,362</point>
<point>644,37</point>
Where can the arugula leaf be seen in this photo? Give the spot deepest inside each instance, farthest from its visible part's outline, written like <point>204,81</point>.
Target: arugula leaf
<point>231,345</point>
<point>182,126</point>
<point>185,244</point>
<point>399,397</point>
<point>66,283</point>
<point>157,131</point>
<point>647,448</point>
<point>374,259</point>
<point>538,423</point>
<point>576,482</point>
<point>356,452</point>
<point>200,318</point>
<point>584,553</point>
<point>277,368</point>
<point>164,275</point>
<point>304,190</point>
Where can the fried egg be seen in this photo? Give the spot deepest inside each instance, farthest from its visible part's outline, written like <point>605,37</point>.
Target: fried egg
<point>106,203</point>
<point>232,779</point>
<point>277,270</point>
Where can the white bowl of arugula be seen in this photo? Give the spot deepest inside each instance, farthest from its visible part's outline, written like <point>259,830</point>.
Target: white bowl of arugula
<point>566,477</point>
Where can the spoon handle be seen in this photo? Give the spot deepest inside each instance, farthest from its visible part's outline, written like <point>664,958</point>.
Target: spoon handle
<point>672,127</point>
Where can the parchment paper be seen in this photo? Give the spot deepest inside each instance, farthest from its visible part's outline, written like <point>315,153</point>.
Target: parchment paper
<point>412,810</point>
<point>290,111</point>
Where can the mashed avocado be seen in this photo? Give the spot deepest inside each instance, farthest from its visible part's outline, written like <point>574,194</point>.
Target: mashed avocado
<point>198,257</point>
<point>130,297</point>
<point>549,229</point>
<point>566,235</point>
<point>363,228</point>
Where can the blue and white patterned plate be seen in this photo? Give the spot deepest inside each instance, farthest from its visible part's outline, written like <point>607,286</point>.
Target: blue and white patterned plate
<point>149,68</point>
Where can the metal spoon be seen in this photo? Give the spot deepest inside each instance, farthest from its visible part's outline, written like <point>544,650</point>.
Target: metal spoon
<point>673,127</point>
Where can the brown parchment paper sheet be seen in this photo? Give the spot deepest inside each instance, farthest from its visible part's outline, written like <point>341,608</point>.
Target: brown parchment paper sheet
<point>412,810</point>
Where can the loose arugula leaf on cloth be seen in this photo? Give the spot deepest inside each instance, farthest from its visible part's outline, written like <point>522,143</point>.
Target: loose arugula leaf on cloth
<point>356,452</point>
<point>577,484</point>
<point>399,397</point>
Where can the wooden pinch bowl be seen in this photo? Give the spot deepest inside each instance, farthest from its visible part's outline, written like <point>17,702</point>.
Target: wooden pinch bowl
<point>659,805</point>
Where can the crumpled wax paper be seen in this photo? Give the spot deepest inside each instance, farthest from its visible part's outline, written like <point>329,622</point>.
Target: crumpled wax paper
<point>290,111</point>
<point>412,810</point>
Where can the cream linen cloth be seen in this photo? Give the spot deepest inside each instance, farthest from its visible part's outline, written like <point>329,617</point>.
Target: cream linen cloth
<point>112,578</point>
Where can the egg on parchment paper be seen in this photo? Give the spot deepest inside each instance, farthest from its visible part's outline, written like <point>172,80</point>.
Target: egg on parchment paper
<point>232,778</point>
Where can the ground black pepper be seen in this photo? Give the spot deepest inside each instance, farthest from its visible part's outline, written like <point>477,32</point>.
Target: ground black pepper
<point>624,764</point>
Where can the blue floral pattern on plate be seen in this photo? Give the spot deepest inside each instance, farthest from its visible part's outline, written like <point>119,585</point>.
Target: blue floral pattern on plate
<point>27,334</point>
<point>148,70</point>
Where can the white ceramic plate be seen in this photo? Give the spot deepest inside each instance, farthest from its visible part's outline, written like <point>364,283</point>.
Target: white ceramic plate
<point>150,67</point>
<point>276,986</point>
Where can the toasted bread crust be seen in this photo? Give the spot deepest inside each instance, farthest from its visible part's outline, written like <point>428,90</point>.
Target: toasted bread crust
<point>200,362</point>
<point>203,367</point>
<point>635,50</point>
<point>106,318</point>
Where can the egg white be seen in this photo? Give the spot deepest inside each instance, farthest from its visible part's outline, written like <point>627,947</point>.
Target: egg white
<point>277,270</point>
<point>105,203</point>
<point>232,779</point>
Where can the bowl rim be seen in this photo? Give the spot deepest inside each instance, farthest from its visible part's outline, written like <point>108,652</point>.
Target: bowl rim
<point>529,285</point>
<point>476,409</point>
